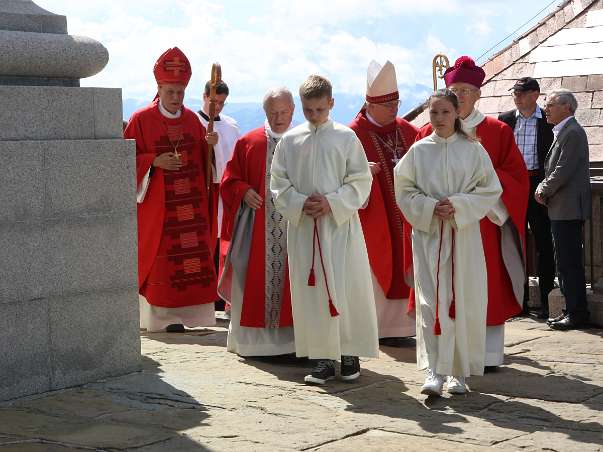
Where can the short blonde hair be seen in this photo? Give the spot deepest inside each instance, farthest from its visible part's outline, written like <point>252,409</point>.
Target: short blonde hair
<point>315,87</point>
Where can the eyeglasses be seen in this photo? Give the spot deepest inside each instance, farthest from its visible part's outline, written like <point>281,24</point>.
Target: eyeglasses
<point>462,91</point>
<point>390,105</point>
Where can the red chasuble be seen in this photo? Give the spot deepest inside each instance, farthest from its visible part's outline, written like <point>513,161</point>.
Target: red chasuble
<point>175,262</point>
<point>245,170</point>
<point>498,140</point>
<point>382,221</point>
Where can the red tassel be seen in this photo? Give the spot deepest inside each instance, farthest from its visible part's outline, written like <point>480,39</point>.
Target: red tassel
<point>437,330</point>
<point>411,302</point>
<point>311,278</point>
<point>332,309</point>
<point>452,310</point>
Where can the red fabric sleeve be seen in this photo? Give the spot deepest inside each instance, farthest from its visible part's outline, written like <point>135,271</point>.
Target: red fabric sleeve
<point>423,132</point>
<point>144,158</point>
<point>514,178</point>
<point>409,131</point>
<point>233,188</point>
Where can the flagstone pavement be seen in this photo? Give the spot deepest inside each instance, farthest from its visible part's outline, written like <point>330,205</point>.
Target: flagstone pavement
<point>191,395</point>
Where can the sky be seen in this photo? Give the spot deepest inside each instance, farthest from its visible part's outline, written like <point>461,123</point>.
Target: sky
<point>266,43</point>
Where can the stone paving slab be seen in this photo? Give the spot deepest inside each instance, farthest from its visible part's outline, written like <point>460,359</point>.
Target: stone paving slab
<point>384,441</point>
<point>191,395</point>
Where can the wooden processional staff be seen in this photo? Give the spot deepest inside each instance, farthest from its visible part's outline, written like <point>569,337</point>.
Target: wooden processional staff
<point>440,64</point>
<point>216,77</point>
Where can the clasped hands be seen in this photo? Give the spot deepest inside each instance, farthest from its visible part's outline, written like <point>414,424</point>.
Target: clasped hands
<point>170,161</point>
<point>444,209</point>
<point>316,206</point>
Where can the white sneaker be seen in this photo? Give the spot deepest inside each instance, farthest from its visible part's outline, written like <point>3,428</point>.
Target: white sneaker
<point>456,385</point>
<point>433,384</point>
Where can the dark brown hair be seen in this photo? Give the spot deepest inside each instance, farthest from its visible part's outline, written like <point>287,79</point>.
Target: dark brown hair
<point>221,88</point>
<point>451,97</point>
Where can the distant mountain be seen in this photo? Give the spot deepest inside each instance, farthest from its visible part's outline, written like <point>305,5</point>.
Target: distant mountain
<point>250,115</point>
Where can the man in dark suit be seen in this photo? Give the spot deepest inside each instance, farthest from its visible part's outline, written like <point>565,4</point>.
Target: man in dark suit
<point>534,136</point>
<point>565,191</point>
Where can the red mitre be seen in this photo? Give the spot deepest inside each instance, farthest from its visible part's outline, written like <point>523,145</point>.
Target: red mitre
<point>173,67</point>
<point>464,71</point>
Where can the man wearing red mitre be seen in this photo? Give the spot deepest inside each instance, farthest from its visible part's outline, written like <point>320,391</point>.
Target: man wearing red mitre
<point>385,139</point>
<point>503,230</point>
<point>176,275</point>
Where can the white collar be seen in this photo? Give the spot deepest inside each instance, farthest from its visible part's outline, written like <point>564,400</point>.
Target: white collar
<point>558,127</point>
<point>315,129</point>
<point>271,133</point>
<point>438,139</point>
<point>168,114</point>
<point>473,120</point>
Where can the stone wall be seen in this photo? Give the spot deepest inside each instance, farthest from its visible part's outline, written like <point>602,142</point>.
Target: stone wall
<point>68,290</point>
<point>68,273</point>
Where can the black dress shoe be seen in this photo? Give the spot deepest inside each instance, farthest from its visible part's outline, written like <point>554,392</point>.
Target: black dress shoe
<point>490,369</point>
<point>175,328</point>
<point>395,341</point>
<point>569,323</point>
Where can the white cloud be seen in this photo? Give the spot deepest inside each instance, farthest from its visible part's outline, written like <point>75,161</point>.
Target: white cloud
<point>480,28</point>
<point>280,45</point>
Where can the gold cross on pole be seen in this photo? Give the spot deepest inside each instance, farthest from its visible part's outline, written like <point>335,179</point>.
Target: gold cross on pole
<point>440,64</point>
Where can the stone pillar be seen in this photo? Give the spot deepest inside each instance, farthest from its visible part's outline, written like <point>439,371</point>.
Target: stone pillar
<point>68,281</point>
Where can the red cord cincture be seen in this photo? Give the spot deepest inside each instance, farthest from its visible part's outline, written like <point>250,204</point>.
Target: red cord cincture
<point>312,278</point>
<point>437,329</point>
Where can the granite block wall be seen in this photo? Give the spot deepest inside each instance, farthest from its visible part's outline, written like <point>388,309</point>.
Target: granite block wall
<point>68,272</point>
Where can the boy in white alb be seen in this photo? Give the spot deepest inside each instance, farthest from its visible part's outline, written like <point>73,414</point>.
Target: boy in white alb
<point>320,177</point>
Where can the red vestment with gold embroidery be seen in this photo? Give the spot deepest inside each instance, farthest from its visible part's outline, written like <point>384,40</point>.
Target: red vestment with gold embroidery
<point>175,236</point>
<point>382,221</point>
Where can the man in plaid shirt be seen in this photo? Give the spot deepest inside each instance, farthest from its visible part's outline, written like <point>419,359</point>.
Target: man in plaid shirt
<point>534,137</point>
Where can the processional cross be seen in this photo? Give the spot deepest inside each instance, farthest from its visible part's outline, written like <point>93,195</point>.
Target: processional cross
<point>440,64</point>
<point>216,77</point>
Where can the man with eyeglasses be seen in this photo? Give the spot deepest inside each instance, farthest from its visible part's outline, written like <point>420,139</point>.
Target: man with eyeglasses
<point>565,191</point>
<point>503,229</point>
<point>385,139</point>
<point>534,136</point>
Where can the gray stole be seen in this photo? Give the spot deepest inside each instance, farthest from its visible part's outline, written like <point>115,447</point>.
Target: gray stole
<point>275,228</point>
<point>276,248</point>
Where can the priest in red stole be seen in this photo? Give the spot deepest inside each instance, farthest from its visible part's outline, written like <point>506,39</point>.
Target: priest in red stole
<point>503,230</point>
<point>255,279</point>
<point>385,139</point>
<point>176,275</point>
